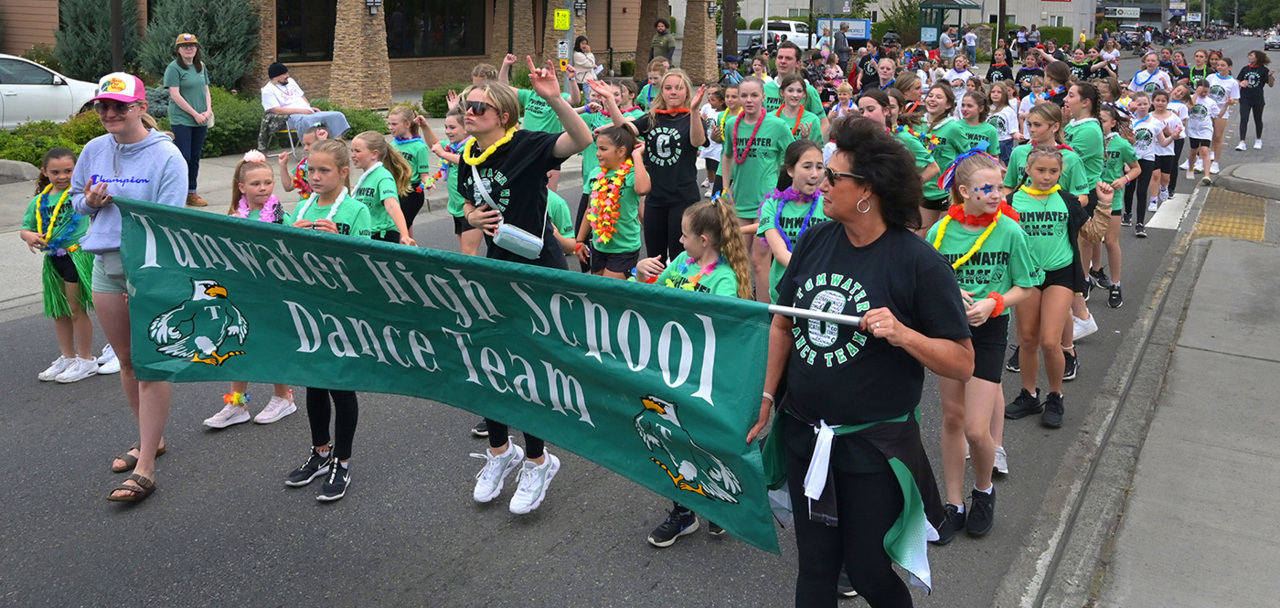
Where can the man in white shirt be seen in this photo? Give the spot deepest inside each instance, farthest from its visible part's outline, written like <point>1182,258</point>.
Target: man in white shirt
<point>971,46</point>
<point>285,103</point>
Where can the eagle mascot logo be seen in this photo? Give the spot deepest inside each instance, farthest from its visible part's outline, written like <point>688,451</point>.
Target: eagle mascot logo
<point>196,329</point>
<point>690,467</point>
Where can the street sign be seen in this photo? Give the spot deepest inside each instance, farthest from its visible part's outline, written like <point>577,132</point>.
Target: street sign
<point>562,49</point>
<point>1177,6</point>
<point>1193,17</point>
<point>859,29</point>
<point>1121,12</point>
<point>562,20</point>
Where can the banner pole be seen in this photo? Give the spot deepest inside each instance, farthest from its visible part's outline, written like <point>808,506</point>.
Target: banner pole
<point>815,315</point>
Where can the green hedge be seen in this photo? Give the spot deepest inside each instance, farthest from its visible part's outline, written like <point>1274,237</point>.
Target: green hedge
<point>29,142</point>
<point>83,127</point>
<point>235,127</point>
<point>627,68</point>
<point>360,120</point>
<point>43,54</point>
<point>672,21</point>
<point>1064,36</point>
<point>435,102</point>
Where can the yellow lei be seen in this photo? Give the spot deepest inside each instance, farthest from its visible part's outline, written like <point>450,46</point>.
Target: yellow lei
<point>53,217</point>
<point>1034,192</point>
<point>466,150</point>
<point>942,229</point>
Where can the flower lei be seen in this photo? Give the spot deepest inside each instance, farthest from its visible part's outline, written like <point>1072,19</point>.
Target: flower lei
<point>446,166</point>
<point>957,213</point>
<point>466,151</point>
<point>300,179</point>
<point>723,116</point>
<point>942,229</point>
<point>742,158</point>
<point>269,213</point>
<point>692,283</point>
<point>55,247</point>
<point>928,140</point>
<point>792,195</point>
<point>430,179</point>
<point>676,111</point>
<point>605,207</point>
<point>779,115</point>
<point>234,398</point>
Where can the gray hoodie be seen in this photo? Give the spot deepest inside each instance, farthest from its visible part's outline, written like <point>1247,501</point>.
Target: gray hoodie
<point>150,170</point>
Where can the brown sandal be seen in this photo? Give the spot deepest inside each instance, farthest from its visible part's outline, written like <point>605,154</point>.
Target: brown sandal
<point>132,461</point>
<point>137,493</point>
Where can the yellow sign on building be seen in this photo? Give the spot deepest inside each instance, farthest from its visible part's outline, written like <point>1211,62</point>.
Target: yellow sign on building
<point>562,20</point>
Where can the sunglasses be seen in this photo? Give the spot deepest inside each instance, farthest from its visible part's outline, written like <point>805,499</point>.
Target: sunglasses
<point>832,175</point>
<point>115,106</point>
<point>478,108</point>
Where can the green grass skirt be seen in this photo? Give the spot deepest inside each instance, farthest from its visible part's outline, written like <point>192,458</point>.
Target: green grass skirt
<point>55,291</point>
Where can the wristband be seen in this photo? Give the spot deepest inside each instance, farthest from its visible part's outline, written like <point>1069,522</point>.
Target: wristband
<point>769,396</point>
<point>999,298</point>
<point>578,247</point>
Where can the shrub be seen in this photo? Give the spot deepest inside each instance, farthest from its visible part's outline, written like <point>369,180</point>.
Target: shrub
<point>434,101</point>
<point>227,30</point>
<point>235,128</point>
<point>42,128</point>
<point>672,20</point>
<point>520,77</point>
<point>44,55</point>
<point>1064,36</point>
<point>83,127</point>
<point>84,40</point>
<point>359,120</point>
<point>31,149</point>
<point>158,102</point>
<point>742,24</point>
<point>627,68</point>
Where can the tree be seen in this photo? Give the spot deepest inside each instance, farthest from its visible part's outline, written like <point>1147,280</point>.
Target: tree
<point>84,38</point>
<point>227,31</point>
<point>904,17</point>
<point>729,26</point>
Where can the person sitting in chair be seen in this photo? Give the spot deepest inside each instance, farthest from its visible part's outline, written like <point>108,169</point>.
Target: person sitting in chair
<point>285,104</point>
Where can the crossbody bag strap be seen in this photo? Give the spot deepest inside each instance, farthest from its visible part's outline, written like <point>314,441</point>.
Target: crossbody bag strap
<point>484,194</point>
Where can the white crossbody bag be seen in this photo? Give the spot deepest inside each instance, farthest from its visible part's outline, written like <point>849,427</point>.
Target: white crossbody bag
<point>510,237</point>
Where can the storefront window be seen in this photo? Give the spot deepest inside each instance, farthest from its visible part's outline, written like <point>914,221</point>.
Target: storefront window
<point>304,30</point>
<point>435,28</point>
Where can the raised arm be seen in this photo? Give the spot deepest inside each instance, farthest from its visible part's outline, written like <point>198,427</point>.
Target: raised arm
<point>576,136</point>
<point>504,72</point>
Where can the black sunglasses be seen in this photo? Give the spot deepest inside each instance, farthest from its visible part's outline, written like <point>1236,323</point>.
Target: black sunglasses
<point>832,175</point>
<point>118,107</point>
<point>478,108</point>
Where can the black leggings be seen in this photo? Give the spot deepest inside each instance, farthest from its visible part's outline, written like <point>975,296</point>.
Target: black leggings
<point>347,414</point>
<point>1177,156</point>
<point>1247,105</point>
<point>868,504</point>
<point>410,204</point>
<point>533,446</point>
<point>662,229</point>
<point>583,204</point>
<point>1140,190</point>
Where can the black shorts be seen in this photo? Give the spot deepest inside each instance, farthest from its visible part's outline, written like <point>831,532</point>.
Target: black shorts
<point>614,262</point>
<point>1064,277</point>
<point>1166,163</point>
<point>461,225</point>
<point>989,342</point>
<point>1117,212</point>
<point>1198,143</point>
<point>388,236</point>
<point>937,204</point>
<point>66,268</point>
<point>411,204</point>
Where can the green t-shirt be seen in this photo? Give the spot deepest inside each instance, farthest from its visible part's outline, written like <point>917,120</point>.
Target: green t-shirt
<point>1072,178</point>
<point>558,211</point>
<point>976,134</point>
<point>1119,153</point>
<point>813,121</point>
<point>627,237</point>
<point>645,96</point>
<point>1004,261</point>
<point>773,98</point>
<point>456,202</point>
<point>1045,223</point>
<point>680,273</point>
<point>351,217</point>
<point>923,157</point>
<point>952,141</point>
<point>192,86</point>
<point>757,176</point>
<point>590,164</point>
<point>68,228</point>
<point>416,152</point>
<point>376,186</point>
<point>788,223</point>
<point>1085,138</point>
<point>538,115</point>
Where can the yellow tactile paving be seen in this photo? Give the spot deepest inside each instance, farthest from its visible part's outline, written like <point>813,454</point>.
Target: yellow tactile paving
<point>1233,215</point>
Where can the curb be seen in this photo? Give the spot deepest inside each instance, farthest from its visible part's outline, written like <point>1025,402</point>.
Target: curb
<point>18,170</point>
<point>1065,560</point>
<point>1227,180</point>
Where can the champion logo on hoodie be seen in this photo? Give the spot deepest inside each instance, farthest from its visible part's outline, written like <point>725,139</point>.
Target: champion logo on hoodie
<point>98,178</point>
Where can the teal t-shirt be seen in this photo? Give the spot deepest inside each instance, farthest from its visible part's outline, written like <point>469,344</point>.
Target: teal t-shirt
<point>192,86</point>
<point>685,273</point>
<point>590,164</point>
<point>68,227</point>
<point>376,186</point>
<point>558,211</point>
<point>645,97</point>
<point>1085,138</point>
<point>1119,152</point>
<point>788,218</point>
<point>1072,178</point>
<point>456,202</point>
<point>1004,261</point>
<point>923,157</point>
<point>538,115</point>
<point>418,155</point>
<point>756,176</point>
<point>1045,222</point>
<point>351,217</point>
<point>981,132</point>
<point>806,119</point>
<point>627,237</point>
<point>949,140</point>
<point>773,98</point>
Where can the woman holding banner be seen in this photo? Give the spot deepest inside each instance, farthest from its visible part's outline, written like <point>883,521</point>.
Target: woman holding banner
<point>503,180</point>
<point>858,385</point>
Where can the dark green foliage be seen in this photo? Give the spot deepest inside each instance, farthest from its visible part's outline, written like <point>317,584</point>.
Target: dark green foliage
<point>627,68</point>
<point>83,127</point>
<point>29,142</point>
<point>235,128</point>
<point>44,55</point>
<point>84,38</point>
<point>1064,36</point>
<point>434,101</point>
<point>227,30</point>
<point>158,102</point>
<point>360,120</point>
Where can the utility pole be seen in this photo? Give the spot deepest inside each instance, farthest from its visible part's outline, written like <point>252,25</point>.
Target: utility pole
<point>117,36</point>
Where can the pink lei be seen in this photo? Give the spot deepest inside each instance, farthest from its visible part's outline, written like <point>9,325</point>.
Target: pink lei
<point>269,209</point>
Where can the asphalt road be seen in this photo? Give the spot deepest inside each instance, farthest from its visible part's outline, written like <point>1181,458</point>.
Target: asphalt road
<point>223,529</point>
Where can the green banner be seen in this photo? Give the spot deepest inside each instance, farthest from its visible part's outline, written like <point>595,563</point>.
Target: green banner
<point>659,385</point>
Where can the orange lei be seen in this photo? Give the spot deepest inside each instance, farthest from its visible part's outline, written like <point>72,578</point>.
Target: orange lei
<point>605,206</point>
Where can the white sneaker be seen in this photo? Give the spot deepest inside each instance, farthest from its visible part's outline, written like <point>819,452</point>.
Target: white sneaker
<point>108,354</point>
<point>1185,164</point>
<point>1213,169</point>
<point>1153,206</point>
<point>1242,146</point>
<point>112,366</point>
<point>534,480</point>
<point>1199,165</point>
<point>1002,461</point>
<point>1191,174</point>
<point>490,479</point>
<point>276,409</point>
<point>1084,327</point>
<point>58,366</point>
<point>230,414</point>
<point>1163,195</point>
<point>1257,144</point>
<point>77,371</point>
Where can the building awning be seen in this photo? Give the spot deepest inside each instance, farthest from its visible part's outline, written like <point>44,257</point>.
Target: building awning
<point>951,5</point>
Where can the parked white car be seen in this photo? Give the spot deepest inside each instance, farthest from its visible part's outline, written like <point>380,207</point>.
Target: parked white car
<point>31,92</point>
<point>795,31</point>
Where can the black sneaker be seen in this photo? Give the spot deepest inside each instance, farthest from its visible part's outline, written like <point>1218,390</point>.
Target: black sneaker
<point>1088,287</point>
<point>315,466</point>
<point>1139,231</point>
<point>1115,300</point>
<point>713,529</point>
<point>335,487</point>
<point>1126,219</point>
<point>1013,364</point>
<point>1100,278</point>
<point>950,526</point>
<point>982,513</point>
<point>680,522</point>
<point>481,429</point>
<point>1024,405</point>
<point>844,588</point>
<point>1072,367</point>
<point>1053,410</point>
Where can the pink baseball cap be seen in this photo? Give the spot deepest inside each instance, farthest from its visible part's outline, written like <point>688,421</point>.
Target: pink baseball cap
<point>119,86</point>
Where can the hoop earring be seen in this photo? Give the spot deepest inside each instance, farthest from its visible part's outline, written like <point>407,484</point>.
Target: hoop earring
<point>859,205</point>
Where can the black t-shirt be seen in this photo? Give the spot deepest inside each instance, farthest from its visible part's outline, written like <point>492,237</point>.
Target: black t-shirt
<point>1255,77</point>
<point>998,73</point>
<point>1172,70</point>
<point>870,75</point>
<point>1025,76</point>
<point>839,373</point>
<point>1081,71</point>
<point>1059,96</point>
<point>516,175</point>
<point>670,159</point>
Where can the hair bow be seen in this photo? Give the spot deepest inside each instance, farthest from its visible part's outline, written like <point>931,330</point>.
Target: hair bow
<point>254,156</point>
<point>948,177</point>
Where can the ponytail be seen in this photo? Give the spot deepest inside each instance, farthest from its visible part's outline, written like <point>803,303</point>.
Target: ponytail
<point>391,159</point>
<point>718,221</point>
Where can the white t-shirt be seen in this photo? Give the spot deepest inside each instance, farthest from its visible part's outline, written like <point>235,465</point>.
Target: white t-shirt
<point>1172,122</point>
<point>1005,121</point>
<point>1025,106</point>
<point>1179,108</point>
<point>1221,89</point>
<point>712,150</point>
<point>1200,118</point>
<point>963,77</point>
<point>1145,143</point>
<point>971,40</point>
<point>1145,81</point>
<point>287,96</point>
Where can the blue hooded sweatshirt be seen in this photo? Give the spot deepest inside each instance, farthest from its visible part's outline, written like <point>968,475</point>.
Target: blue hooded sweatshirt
<point>150,170</point>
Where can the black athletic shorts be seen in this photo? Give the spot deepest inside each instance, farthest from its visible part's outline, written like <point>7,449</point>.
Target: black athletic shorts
<point>66,268</point>
<point>989,342</point>
<point>614,262</point>
<point>1064,276</point>
<point>461,225</point>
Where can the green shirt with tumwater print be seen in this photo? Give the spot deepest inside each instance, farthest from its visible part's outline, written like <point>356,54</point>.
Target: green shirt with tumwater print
<point>1004,261</point>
